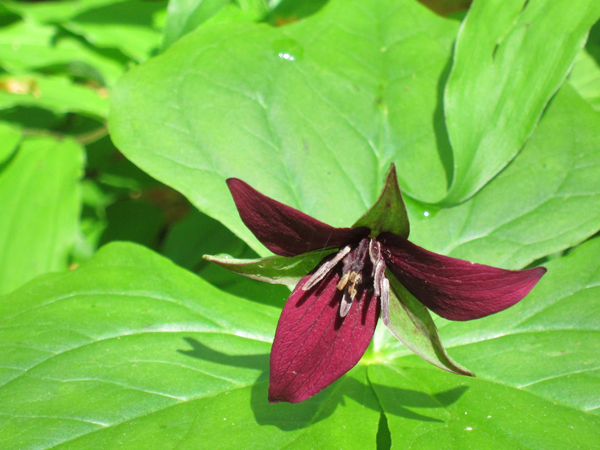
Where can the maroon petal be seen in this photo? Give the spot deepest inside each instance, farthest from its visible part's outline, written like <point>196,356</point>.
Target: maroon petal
<point>453,288</point>
<point>285,230</point>
<point>313,345</point>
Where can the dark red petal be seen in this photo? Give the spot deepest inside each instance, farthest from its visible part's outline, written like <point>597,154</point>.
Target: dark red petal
<point>285,230</point>
<point>313,345</point>
<point>453,288</point>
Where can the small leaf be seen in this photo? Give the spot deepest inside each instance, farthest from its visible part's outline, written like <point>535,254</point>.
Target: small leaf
<point>388,213</point>
<point>273,269</point>
<point>412,324</point>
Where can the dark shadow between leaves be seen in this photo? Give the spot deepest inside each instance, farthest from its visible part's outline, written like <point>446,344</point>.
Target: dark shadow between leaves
<point>439,126</point>
<point>288,417</point>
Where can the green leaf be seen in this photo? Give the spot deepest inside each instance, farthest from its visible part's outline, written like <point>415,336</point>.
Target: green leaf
<point>198,235</point>
<point>25,46</point>
<point>273,269</point>
<point>40,200</point>
<point>58,94</point>
<point>411,323</point>
<point>585,74</point>
<point>55,11</point>
<point>388,213</point>
<point>537,359</point>
<point>160,358</point>
<point>511,56</point>
<point>314,119</point>
<point>9,139</point>
<point>546,201</point>
<point>184,16</point>
<point>125,25</point>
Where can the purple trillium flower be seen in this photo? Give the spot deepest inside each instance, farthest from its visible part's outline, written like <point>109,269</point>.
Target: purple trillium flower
<point>329,319</point>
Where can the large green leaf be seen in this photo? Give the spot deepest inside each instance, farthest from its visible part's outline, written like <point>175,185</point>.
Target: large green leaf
<point>311,113</point>
<point>547,200</point>
<point>510,57</point>
<point>40,201</point>
<point>131,351</point>
<point>537,367</point>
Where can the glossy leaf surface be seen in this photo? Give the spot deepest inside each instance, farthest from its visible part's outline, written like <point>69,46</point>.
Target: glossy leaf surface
<point>510,58</point>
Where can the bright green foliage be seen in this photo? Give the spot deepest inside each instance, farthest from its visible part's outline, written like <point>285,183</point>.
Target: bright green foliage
<point>9,138</point>
<point>25,46</point>
<point>57,94</point>
<point>161,358</point>
<point>510,57</point>
<point>186,15</point>
<point>310,102</point>
<point>40,201</point>
<point>309,92</point>
<point>547,200</point>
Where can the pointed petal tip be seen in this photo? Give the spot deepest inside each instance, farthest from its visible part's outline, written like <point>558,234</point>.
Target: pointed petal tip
<point>284,230</point>
<point>453,288</point>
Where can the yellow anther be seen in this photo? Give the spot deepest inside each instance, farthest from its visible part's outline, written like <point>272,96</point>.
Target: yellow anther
<point>342,284</point>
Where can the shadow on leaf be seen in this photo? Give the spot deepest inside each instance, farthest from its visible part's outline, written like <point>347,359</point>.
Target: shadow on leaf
<point>287,417</point>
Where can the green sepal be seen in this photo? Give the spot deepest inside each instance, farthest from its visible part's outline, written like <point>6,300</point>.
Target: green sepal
<point>273,269</point>
<point>411,323</point>
<point>388,213</point>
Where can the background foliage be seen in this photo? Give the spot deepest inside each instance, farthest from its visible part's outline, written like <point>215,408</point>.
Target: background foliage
<point>120,121</point>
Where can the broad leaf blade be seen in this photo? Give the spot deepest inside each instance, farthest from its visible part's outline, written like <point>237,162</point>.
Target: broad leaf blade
<point>328,102</point>
<point>538,358</point>
<point>547,200</point>
<point>40,200</point>
<point>160,357</point>
<point>273,269</point>
<point>510,58</point>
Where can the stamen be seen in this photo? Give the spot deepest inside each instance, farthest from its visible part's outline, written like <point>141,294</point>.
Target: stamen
<point>342,284</point>
<point>378,274</point>
<point>325,268</point>
<point>385,301</point>
<point>374,252</point>
<point>354,279</point>
<point>346,304</point>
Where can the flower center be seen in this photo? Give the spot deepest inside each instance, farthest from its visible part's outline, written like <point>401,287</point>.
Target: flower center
<point>354,261</point>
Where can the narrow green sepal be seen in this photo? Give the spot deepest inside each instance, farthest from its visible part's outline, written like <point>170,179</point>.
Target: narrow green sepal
<point>389,212</point>
<point>411,323</point>
<point>273,269</point>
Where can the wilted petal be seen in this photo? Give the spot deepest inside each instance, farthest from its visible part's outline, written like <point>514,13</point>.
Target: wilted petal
<point>313,345</point>
<point>453,288</point>
<point>285,230</point>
